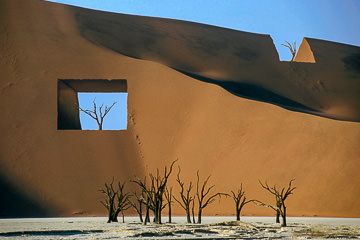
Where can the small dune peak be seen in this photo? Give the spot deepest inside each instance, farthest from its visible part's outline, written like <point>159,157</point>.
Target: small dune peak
<point>305,53</point>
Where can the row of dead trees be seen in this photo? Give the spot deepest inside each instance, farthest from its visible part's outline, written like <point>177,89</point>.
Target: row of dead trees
<point>155,195</point>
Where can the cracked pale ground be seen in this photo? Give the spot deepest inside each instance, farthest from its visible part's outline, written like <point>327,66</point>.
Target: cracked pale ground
<point>213,228</point>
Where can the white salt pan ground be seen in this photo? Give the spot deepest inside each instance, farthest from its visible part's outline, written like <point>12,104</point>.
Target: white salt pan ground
<point>212,228</point>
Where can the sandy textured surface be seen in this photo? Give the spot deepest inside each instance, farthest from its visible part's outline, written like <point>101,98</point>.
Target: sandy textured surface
<point>213,228</point>
<point>218,100</point>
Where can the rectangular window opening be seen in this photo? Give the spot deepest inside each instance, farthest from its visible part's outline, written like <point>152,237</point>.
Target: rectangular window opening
<point>92,104</point>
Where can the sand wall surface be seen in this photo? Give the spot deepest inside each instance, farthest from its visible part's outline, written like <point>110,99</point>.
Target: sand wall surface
<point>218,100</point>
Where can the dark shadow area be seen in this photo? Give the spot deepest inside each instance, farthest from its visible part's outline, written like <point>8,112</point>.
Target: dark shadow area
<point>15,204</point>
<point>49,233</point>
<point>67,107</point>
<point>254,92</point>
<point>96,85</point>
<point>352,63</point>
<point>151,38</point>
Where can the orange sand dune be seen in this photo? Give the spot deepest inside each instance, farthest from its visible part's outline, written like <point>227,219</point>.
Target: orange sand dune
<point>227,128</point>
<point>245,64</point>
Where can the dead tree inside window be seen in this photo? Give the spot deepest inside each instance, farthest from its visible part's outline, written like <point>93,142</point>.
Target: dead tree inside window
<point>98,113</point>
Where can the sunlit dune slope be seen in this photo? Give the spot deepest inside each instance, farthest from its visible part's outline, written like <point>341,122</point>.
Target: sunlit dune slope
<point>216,99</point>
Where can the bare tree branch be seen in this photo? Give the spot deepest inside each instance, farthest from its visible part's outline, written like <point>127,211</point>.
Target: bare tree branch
<point>94,113</point>
<point>155,192</point>
<point>116,201</point>
<point>240,201</point>
<point>140,200</point>
<point>292,48</point>
<point>186,198</point>
<point>280,197</point>
<point>168,196</point>
<point>203,199</point>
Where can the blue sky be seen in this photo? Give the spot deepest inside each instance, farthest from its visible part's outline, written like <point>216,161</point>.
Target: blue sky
<point>116,119</point>
<point>290,20</point>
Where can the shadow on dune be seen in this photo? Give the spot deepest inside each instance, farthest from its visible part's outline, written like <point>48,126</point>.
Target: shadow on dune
<point>239,61</point>
<point>14,203</point>
<point>145,37</point>
<point>254,92</point>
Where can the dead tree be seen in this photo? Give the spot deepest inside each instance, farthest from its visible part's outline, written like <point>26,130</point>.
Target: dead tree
<point>186,197</point>
<point>168,196</point>
<point>155,192</point>
<point>292,49</point>
<point>202,195</point>
<point>123,200</point>
<point>144,199</point>
<point>280,199</point>
<point>240,201</point>
<point>147,211</point>
<point>138,206</point>
<point>98,114</point>
<point>116,201</point>
<point>193,210</point>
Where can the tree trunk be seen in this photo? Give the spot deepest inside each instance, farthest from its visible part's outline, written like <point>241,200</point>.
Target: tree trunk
<point>147,215</point>
<point>155,217</point>
<point>238,215</point>
<point>110,217</point>
<point>155,220</point>
<point>188,219</point>
<point>110,209</point>
<point>199,216</point>
<point>157,213</point>
<point>283,217</point>
<point>113,218</point>
<point>159,216</point>
<point>278,213</point>
<point>169,213</point>
<point>193,212</point>
<point>140,213</point>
